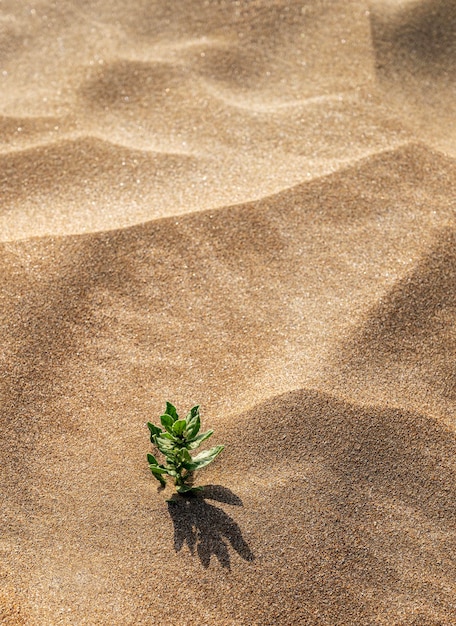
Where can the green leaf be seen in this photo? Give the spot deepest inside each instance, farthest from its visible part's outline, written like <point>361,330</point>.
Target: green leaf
<point>187,462</point>
<point>204,458</point>
<point>193,430</point>
<point>190,466</point>
<point>171,410</point>
<point>152,460</point>
<point>165,435</point>
<point>193,421</point>
<point>194,411</point>
<point>164,445</point>
<point>158,476</point>
<point>154,430</point>
<point>176,455</point>
<point>184,488</point>
<point>158,469</point>
<point>188,489</point>
<point>179,427</point>
<point>197,441</point>
<point>167,422</point>
<point>164,441</point>
<point>170,453</point>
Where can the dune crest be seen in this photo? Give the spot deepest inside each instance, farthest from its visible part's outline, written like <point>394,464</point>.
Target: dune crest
<point>409,336</point>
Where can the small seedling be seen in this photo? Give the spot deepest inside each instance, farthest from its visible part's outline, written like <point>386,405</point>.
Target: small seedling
<point>174,441</point>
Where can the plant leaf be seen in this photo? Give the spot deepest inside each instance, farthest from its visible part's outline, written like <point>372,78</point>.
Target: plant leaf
<point>170,453</point>
<point>186,488</point>
<point>164,441</point>
<point>167,422</point>
<point>158,475</point>
<point>179,427</point>
<point>196,441</point>
<point>158,469</point>
<point>187,461</point>
<point>152,460</point>
<point>171,410</point>
<point>164,445</point>
<point>165,435</point>
<point>193,430</point>
<point>194,411</point>
<point>207,456</point>
<point>154,430</point>
<point>193,421</point>
<point>190,466</point>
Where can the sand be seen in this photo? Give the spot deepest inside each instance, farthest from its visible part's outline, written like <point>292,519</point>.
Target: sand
<point>249,206</point>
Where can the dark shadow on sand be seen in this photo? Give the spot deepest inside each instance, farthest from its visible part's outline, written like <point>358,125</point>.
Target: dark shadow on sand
<point>207,528</point>
<point>418,36</point>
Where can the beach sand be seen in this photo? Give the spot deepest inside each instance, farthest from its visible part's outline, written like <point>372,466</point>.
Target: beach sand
<point>249,206</point>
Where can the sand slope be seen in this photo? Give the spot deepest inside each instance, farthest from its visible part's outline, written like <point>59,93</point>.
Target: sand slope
<point>227,204</point>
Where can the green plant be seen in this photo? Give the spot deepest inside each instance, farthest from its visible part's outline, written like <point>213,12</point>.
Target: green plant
<point>174,441</point>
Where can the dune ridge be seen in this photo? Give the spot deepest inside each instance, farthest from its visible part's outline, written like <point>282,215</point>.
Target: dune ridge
<point>249,206</point>
<point>118,170</point>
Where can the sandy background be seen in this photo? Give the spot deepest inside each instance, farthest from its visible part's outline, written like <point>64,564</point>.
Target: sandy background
<point>251,206</point>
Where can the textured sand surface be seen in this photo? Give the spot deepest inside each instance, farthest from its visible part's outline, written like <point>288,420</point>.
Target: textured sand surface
<point>251,206</point>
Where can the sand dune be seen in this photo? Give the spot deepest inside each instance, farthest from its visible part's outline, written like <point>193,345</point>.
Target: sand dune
<point>365,494</point>
<point>172,163</point>
<point>409,335</point>
<point>250,206</point>
<point>416,55</point>
<point>262,94</point>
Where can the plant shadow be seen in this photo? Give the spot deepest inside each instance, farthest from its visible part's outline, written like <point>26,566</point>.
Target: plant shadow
<point>205,528</point>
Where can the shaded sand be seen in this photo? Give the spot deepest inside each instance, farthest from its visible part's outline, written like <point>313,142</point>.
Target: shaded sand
<point>242,205</point>
<point>415,50</point>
